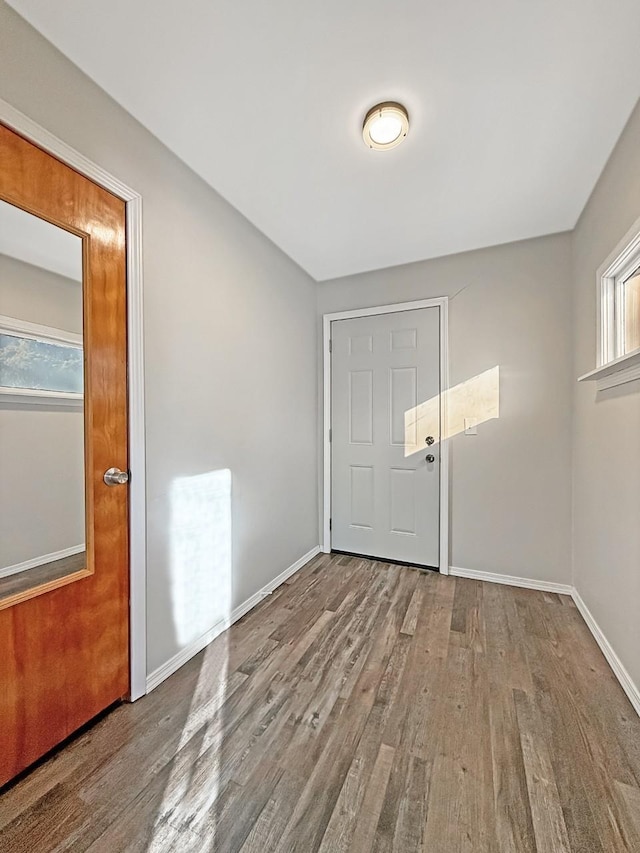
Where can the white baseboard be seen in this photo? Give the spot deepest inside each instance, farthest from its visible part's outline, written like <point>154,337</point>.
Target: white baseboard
<point>626,682</point>
<point>41,561</point>
<point>510,580</point>
<point>173,664</point>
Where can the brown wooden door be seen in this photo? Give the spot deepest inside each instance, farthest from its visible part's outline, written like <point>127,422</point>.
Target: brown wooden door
<point>64,642</point>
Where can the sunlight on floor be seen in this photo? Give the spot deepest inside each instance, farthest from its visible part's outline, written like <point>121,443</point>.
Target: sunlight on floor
<point>188,816</point>
<point>201,581</point>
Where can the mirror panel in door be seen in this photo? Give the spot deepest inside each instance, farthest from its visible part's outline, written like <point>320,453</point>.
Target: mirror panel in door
<point>42,487</point>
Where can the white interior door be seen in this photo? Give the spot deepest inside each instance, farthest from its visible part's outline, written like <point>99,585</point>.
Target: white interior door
<point>385,442</point>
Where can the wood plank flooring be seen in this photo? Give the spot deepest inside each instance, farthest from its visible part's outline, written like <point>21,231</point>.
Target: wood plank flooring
<point>38,575</point>
<point>361,708</point>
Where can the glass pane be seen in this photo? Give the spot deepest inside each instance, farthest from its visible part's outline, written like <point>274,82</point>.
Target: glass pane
<point>40,365</point>
<point>632,312</point>
<point>42,500</point>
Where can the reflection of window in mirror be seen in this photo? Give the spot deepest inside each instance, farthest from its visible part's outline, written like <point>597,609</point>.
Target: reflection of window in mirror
<point>42,495</point>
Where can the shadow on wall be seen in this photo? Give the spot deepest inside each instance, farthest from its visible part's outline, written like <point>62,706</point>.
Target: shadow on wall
<point>463,407</point>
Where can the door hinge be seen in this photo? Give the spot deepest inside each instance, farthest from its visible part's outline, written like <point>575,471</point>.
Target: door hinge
<point>330,523</point>
<point>330,433</point>
<point>330,345</point>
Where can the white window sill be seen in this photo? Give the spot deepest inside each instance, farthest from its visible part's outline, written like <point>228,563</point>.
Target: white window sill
<point>617,372</point>
<point>31,397</point>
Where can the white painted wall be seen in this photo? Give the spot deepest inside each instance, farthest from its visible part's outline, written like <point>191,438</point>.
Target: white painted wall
<point>41,448</point>
<point>606,425</point>
<point>510,484</point>
<point>230,359</point>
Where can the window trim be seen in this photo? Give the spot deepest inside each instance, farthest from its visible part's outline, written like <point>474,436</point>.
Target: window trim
<point>614,366</point>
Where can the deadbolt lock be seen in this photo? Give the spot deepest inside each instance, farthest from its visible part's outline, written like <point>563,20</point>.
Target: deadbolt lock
<point>430,440</point>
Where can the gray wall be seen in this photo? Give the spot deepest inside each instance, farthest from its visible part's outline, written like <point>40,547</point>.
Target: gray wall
<point>39,296</point>
<point>606,426</point>
<point>230,356</point>
<point>41,447</point>
<point>510,484</point>
<point>41,487</point>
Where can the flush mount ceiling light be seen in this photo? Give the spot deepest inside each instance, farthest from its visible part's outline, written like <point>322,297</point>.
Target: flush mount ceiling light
<point>385,126</point>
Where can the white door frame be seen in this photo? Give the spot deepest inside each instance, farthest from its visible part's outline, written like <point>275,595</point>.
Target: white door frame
<point>27,128</point>
<point>327,319</point>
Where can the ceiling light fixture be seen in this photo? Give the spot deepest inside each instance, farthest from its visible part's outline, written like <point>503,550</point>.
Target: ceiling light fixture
<point>385,126</point>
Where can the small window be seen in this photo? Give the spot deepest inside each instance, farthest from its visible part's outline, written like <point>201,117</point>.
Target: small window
<point>618,358</point>
<point>620,304</point>
<point>630,307</point>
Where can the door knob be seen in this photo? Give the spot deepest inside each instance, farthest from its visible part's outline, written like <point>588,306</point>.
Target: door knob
<point>430,457</point>
<point>116,477</point>
<point>430,440</point>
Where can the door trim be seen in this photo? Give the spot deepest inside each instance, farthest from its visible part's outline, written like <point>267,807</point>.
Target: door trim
<point>24,126</point>
<point>327,319</point>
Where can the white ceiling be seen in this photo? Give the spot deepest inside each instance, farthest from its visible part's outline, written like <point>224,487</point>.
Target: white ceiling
<point>39,243</point>
<point>515,106</point>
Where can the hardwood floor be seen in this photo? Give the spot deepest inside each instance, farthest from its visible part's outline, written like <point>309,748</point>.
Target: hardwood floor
<point>38,575</point>
<point>366,708</point>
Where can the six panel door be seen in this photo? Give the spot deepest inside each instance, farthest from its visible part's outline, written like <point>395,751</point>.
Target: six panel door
<point>385,413</point>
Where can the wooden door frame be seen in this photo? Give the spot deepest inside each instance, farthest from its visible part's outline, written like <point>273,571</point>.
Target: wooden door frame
<point>442,303</point>
<point>25,127</point>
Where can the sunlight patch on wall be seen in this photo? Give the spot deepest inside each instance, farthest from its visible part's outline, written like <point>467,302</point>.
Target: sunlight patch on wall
<point>201,585</point>
<point>467,404</point>
<point>200,553</point>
